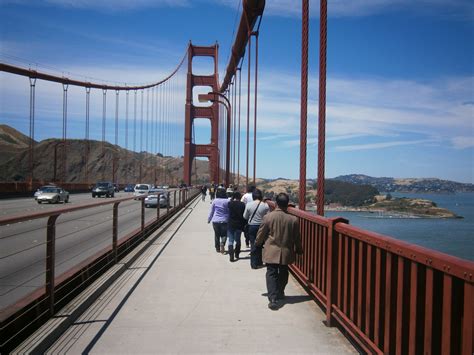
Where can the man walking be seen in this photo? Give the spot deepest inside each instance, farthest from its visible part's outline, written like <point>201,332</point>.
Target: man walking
<point>280,236</point>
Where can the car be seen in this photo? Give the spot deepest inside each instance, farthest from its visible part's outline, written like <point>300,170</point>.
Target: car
<point>152,199</point>
<point>141,190</point>
<point>41,189</point>
<point>103,188</point>
<point>129,188</point>
<point>53,194</point>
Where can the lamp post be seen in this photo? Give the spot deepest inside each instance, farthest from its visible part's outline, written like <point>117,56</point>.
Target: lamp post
<point>214,97</point>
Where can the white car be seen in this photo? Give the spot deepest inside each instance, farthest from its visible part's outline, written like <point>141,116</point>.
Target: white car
<point>53,195</point>
<point>141,190</point>
<point>152,199</point>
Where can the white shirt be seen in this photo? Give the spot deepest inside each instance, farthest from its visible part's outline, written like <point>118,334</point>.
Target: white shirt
<point>246,198</point>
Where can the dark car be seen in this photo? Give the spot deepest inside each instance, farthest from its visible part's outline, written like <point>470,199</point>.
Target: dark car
<point>129,188</point>
<point>104,188</point>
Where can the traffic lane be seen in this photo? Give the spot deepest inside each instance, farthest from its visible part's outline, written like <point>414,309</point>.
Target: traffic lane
<point>77,238</point>
<point>29,205</point>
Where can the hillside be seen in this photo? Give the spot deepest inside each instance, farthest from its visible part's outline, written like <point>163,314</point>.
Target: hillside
<point>388,184</point>
<point>14,165</point>
<point>337,192</point>
<point>11,141</point>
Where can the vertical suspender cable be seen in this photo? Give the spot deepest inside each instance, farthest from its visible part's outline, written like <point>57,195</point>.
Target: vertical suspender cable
<point>115,157</point>
<point>141,138</point>
<point>32,128</point>
<point>126,135</point>
<point>147,130</point>
<point>255,111</point>
<point>104,112</point>
<point>86,148</point>
<point>248,109</point>
<point>234,116</point>
<point>322,106</point>
<point>64,150</point>
<point>304,103</point>
<point>238,138</point>
<point>152,119</point>
<point>135,132</point>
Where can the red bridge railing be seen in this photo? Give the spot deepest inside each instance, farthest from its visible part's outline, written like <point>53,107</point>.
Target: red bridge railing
<point>389,296</point>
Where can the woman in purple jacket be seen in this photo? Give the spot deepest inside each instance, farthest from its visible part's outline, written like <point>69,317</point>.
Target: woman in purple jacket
<point>219,216</point>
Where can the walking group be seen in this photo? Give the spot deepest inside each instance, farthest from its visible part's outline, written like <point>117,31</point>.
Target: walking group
<point>273,237</point>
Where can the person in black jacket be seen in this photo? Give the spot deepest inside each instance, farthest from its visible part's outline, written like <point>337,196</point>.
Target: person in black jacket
<point>235,225</point>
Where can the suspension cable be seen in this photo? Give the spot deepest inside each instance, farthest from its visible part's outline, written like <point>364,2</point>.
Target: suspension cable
<point>64,149</point>
<point>248,109</point>
<point>255,111</point>
<point>304,103</point>
<point>238,139</point>
<point>32,126</point>
<point>86,140</point>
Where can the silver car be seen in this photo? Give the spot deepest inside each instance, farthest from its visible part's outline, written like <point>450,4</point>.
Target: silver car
<point>152,199</point>
<point>41,189</point>
<point>53,194</point>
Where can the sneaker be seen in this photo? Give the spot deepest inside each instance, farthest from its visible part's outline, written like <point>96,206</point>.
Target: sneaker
<point>273,305</point>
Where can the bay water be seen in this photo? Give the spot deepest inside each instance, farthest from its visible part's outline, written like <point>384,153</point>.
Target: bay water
<point>451,236</point>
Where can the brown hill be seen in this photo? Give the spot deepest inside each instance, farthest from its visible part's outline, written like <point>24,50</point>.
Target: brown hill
<point>11,141</point>
<point>129,167</point>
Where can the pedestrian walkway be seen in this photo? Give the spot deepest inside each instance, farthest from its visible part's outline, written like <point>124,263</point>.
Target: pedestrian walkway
<point>181,297</point>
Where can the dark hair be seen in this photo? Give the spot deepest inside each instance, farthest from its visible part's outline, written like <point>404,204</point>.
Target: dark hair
<point>257,194</point>
<point>236,195</point>
<point>282,200</point>
<point>220,193</point>
<point>251,188</point>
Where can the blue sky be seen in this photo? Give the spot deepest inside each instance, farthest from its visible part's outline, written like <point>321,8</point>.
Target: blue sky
<point>400,91</point>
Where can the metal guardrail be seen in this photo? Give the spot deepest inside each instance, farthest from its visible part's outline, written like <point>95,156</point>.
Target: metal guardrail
<point>21,318</point>
<point>389,296</point>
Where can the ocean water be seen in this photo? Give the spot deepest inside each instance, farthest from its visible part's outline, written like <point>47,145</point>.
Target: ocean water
<point>450,236</point>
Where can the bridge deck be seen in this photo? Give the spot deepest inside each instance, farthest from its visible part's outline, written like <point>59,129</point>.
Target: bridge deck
<point>183,297</point>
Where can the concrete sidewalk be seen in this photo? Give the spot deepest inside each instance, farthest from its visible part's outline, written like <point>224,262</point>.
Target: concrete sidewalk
<point>181,297</point>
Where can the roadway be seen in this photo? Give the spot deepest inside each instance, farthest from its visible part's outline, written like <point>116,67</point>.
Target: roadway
<point>79,235</point>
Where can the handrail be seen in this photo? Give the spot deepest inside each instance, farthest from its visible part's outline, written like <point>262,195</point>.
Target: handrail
<point>388,295</point>
<point>26,314</point>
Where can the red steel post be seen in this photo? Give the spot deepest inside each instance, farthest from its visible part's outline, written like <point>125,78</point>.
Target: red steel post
<point>115,230</point>
<point>304,103</point>
<point>322,106</point>
<point>51,260</point>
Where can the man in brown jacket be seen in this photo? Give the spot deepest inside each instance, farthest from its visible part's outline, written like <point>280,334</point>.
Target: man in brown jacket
<point>280,236</point>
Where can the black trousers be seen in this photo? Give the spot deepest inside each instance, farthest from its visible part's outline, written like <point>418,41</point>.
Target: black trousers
<point>220,231</point>
<point>277,278</point>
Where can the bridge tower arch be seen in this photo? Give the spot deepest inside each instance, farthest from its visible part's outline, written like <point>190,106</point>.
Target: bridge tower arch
<point>211,150</point>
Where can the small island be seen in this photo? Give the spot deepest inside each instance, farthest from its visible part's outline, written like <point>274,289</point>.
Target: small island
<point>350,197</point>
<point>388,207</point>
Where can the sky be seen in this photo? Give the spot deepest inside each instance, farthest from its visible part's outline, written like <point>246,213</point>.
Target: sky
<point>400,75</point>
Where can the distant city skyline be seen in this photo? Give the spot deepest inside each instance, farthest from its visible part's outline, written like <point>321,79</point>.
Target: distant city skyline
<point>400,85</point>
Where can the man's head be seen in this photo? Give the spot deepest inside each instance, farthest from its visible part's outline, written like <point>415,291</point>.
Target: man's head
<point>282,200</point>
<point>257,194</point>
<point>236,195</point>
<point>220,193</point>
<point>250,188</point>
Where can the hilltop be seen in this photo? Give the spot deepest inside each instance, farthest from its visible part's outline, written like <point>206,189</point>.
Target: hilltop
<point>14,162</point>
<point>388,184</point>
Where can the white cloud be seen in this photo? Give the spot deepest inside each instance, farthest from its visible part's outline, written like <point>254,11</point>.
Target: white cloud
<point>381,145</point>
<point>463,142</point>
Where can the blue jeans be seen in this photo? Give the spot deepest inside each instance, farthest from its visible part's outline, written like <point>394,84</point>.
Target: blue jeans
<point>234,235</point>
<point>255,252</point>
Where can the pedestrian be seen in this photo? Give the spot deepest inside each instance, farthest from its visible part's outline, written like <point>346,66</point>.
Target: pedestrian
<point>254,212</point>
<point>212,192</point>
<point>203,192</point>
<point>280,236</point>
<point>236,225</point>
<point>219,216</point>
<point>246,198</point>
<point>229,191</point>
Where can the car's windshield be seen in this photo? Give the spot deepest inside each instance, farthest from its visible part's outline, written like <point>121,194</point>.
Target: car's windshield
<point>156,191</point>
<point>102,184</point>
<point>142,187</point>
<point>51,189</point>
<point>44,188</point>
